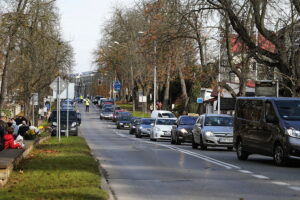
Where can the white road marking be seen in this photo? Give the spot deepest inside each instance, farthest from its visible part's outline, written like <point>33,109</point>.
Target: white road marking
<point>280,183</point>
<point>295,188</point>
<point>260,177</point>
<point>245,171</point>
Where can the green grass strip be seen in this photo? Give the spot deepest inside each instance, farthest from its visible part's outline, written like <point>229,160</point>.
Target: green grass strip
<point>136,113</point>
<point>54,170</point>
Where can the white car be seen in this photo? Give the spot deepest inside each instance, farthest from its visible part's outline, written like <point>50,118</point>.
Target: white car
<point>162,128</point>
<point>162,114</point>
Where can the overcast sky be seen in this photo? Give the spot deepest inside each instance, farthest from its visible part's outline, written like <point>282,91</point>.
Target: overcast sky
<point>82,21</point>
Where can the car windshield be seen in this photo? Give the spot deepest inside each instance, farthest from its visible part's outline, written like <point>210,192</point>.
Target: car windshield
<point>165,121</point>
<point>289,110</point>
<point>125,118</point>
<point>166,115</point>
<point>147,121</point>
<point>108,110</point>
<point>188,120</point>
<point>218,121</point>
<point>63,115</point>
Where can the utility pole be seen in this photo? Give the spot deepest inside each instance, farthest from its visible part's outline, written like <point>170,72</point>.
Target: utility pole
<point>154,90</point>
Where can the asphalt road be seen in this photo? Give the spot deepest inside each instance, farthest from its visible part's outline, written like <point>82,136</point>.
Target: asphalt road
<point>140,169</point>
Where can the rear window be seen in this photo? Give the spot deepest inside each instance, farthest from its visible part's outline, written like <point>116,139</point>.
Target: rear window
<point>166,115</point>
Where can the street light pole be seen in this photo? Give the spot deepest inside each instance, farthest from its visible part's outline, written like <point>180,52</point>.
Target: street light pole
<point>219,80</point>
<point>154,71</point>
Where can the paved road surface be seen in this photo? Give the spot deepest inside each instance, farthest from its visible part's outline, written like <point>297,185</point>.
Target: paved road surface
<point>140,169</point>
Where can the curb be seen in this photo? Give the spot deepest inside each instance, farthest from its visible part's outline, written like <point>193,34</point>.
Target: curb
<point>104,176</point>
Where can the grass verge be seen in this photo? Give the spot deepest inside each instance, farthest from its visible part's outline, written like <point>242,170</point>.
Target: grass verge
<point>136,113</point>
<point>54,170</point>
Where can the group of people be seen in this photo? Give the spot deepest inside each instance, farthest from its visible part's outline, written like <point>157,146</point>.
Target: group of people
<point>13,131</point>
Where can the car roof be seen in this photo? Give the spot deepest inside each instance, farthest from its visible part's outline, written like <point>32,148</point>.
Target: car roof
<point>269,98</point>
<point>216,115</point>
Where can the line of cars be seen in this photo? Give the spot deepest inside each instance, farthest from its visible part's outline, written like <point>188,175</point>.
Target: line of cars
<point>261,125</point>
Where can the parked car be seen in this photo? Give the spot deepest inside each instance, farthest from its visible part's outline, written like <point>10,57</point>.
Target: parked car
<point>74,122</point>
<point>161,129</point>
<point>269,126</point>
<point>144,127</point>
<point>213,130</point>
<point>135,121</point>
<point>123,121</point>
<point>162,114</point>
<point>106,113</point>
<point>182,130</point>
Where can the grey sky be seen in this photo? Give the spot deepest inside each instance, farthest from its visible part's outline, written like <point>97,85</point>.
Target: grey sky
<point>82,21</point>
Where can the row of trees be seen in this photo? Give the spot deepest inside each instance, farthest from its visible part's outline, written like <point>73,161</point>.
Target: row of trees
<point>32,52</point>
<point>188,39</point>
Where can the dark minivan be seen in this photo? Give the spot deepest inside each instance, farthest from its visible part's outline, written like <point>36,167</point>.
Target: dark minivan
<point>74,122</point>
<point>269,126</point>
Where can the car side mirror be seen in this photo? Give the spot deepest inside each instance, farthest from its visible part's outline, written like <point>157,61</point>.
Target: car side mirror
<point>271,119</point>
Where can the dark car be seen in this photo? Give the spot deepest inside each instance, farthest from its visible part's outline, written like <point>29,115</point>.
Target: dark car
<point>269,126</point>
<point>106,101</point>
<point>74,122</point>
<point>116,113</point>
<point>106,113</point>
<point>182,130</point>
<point>96,99</point>
<point>144,127</point>
<point>135,121</point>
<point>123,121</point>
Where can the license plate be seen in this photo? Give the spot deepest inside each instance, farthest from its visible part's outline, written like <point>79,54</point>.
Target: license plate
<point>63,131</point>
<point>126,126</point>
<point>226,140</point>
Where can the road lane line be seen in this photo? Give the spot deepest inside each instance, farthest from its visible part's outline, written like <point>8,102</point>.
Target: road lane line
<point>245,171</point>
<point>280,183</point>
<point>260,176</point>
<point>295,188</point>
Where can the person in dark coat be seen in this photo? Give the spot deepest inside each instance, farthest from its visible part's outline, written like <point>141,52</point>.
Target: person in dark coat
<point>23,128</point>
<point>3,127</point>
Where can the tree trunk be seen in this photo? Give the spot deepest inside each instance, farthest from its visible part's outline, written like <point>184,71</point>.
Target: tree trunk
<point>167,88</point>
<point>183,87</point>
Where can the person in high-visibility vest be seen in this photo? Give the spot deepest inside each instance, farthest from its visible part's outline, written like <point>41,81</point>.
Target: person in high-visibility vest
<point>87,105</point>
<point>81,99</point>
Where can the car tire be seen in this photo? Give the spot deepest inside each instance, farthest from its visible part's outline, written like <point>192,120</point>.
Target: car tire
<point>118,127</point>
<point>202,145</point>
<point>279,156</point>
<point>172,141</point>
<point>194,144</point>
<point>177,141</point>
<point>240,152</point>
<point>229,148</point>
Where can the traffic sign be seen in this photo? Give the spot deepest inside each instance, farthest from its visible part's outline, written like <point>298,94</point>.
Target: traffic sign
<point>117,86</point>
<point>199,100</point>
<point>62,85</point>
<point>34,99</point>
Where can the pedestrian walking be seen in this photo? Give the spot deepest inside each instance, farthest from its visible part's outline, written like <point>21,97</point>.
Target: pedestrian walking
<point>87,105</point>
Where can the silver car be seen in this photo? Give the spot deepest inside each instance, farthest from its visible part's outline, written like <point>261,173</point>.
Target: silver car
<point>213,130</point>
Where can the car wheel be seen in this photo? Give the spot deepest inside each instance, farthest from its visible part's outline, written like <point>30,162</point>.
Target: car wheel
<point>279,156</point>
<point>194,144</point>
<point>118,127</point>
<point>100,118</point>
<point>136,135</point>
<point>202,145</point>
<point>229,148</point>
<point>178,142</point>
<point>241,154</point>
<point>172,141</point>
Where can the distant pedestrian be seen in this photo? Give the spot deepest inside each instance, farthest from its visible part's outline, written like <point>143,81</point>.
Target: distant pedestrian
<point>45,112</point>
<point>87,105</point>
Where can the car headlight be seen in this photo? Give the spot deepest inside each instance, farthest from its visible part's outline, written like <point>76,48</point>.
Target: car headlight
<point>133,127</point>
<point>183,131</point>
<point>157,129</point>
<point>209,134</point>
<point>293,132</point>
<point>121,123</point>
<point>54,124</point>
<point>73,124</point>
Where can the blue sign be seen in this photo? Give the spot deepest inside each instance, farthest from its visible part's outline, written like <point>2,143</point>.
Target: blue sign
<point>117,86</point>
<point>199,100</point>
